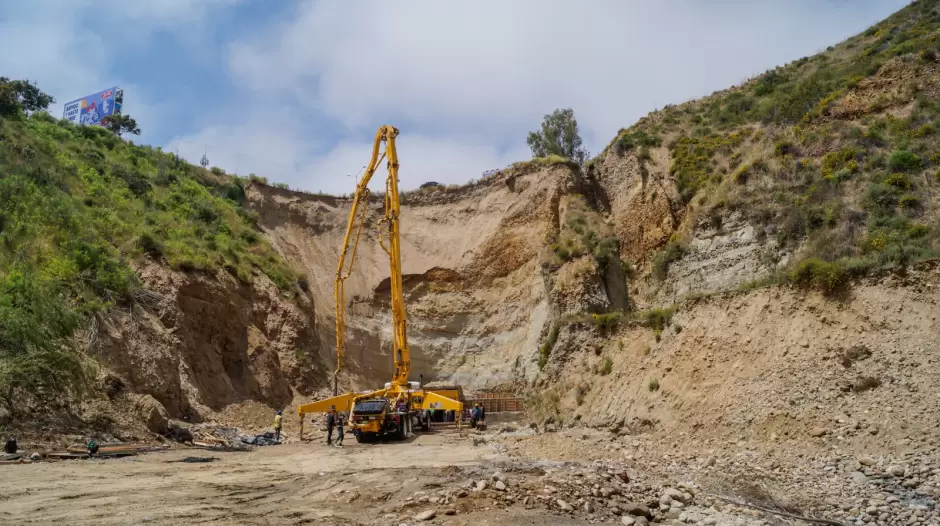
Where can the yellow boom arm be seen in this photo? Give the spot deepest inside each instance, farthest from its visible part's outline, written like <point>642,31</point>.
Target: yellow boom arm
<point>400,353</point>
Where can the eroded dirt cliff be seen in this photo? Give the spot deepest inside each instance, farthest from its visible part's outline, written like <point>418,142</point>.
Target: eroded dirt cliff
<point>198,343</point>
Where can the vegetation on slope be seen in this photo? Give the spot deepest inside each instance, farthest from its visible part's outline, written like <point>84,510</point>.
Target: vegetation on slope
<point>837,155</point>
<point>78,206</point>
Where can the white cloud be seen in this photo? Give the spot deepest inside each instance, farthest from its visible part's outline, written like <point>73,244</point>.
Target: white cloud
<point>256,146</point>
<point>497,67</point>
<point>282,156</point>
<point>447,160</point>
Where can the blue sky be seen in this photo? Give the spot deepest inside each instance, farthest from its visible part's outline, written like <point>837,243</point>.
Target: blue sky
<point>294,90</point>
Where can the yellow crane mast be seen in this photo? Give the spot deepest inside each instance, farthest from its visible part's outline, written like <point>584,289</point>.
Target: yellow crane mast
<point>400,406</point>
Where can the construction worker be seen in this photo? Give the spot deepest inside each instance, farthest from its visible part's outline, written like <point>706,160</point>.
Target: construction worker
<point>474,415</point>
<point>277,426</point>
<point>10,446</point>
<point>330,424</point>
<point>340,423</point>
<point>92,447</point>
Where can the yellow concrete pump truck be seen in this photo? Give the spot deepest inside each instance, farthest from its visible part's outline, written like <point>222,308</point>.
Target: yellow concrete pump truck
<point>401,406</point>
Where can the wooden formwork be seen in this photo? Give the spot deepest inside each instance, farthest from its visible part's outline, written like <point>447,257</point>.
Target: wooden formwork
<point>496,402</point>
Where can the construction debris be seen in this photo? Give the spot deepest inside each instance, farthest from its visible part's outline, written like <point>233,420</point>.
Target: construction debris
<point>264,439</point>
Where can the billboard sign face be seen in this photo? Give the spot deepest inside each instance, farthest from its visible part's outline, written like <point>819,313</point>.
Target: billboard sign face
<point>93,109</point>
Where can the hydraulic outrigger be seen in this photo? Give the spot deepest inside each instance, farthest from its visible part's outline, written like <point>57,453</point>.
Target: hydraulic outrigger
<point>402,405</point>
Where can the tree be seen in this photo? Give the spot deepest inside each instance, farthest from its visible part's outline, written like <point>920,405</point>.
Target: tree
<point>16,95</point>
<point>559,136</point>
<point>204,162</point>
<point>121,124</point>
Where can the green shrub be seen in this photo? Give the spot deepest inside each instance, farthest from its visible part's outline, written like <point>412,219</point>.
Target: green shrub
<point>904,160</point>
<point>658,318</point>
<point>607,366</point>
<point>629,271</point>
<point>627,140</point>
<point>898,180</point>
<point>818,273</point>
<point>653,385</point>
<point>605,323</point>
<point>909,202</point>
<point>546,348</point>
<point>784,147</point>
<point>661,261</point>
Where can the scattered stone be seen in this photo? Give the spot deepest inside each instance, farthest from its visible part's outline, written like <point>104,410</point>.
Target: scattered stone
<point>817,432</point>
<point>867,461</point>
<point>588,507</point>
<point>426,515</point>
<point>499,485</point>
<point>481,485</point>
<point>450,511</point>
<point>564,505</point>
<point>858,477</point>
<point>676,495</point>
<point>897,471</point>
<point>636,509</point>
<point>627,520</point>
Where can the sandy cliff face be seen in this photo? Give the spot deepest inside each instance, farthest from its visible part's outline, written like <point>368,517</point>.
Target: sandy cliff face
<point>475,295</point>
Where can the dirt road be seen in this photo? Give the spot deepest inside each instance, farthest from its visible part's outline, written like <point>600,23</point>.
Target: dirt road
<point>306,483</point>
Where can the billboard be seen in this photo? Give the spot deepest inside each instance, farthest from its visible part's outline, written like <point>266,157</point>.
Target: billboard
<point>93,109</point>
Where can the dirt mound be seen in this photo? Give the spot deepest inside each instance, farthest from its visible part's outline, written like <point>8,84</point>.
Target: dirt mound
<point>776,364</point>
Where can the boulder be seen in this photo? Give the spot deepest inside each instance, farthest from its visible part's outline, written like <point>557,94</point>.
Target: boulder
<point>152,413</point>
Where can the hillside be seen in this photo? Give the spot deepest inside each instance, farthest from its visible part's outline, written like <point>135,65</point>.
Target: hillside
<point>124,269</point>
<point>821,169</point>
